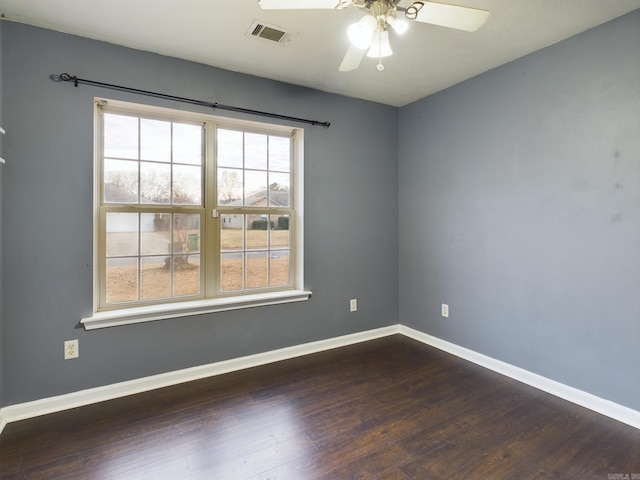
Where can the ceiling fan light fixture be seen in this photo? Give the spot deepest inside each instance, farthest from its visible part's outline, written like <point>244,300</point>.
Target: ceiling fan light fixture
<point>361,33</point>
<point>380,46</point>
<point>371,33</point>
<point>399,25</point>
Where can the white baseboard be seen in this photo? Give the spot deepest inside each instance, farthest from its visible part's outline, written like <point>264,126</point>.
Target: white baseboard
<point>605,407</point>
<point>59,403</point>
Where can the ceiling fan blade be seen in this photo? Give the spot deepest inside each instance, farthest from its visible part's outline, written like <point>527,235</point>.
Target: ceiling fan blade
<point>452,16</point>
<point>351,59</point>
<point>300,4</point>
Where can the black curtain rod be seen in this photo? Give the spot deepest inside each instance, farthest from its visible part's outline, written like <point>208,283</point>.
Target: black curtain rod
<point>65,77</point>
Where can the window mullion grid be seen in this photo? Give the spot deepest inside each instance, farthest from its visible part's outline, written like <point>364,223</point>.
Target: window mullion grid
<point>212,248</point>
<point>139,283</point>
<point>139,210</point>
<point>100,241</point>
<point>244,217</point>
<point>269,233</point>
<point>295,183</point>
<point>203,218</point>
<point>269,212</point>
<point>172,263</point>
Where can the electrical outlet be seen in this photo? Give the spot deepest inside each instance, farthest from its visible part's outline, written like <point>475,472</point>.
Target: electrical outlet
<point>353,305</point>
<point>445,310</point>
<point>71,349</point>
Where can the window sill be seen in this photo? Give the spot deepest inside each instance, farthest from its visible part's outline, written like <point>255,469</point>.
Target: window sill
<point>128,316</point>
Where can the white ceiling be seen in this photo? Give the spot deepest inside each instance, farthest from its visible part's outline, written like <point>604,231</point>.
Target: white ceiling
<point>426,59</point>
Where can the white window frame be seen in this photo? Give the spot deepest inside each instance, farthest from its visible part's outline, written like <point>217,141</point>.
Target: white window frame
<point>212,300</point>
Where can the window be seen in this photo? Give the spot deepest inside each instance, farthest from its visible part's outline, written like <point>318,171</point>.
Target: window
<point>194,210</point>
<point>254,196</point>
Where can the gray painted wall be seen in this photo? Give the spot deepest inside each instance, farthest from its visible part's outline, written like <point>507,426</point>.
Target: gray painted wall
<point>520,208</point>
<point>519,200</point>
<point>351,240</point>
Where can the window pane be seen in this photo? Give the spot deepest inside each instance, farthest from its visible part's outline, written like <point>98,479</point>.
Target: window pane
<point>230,148</point>
<point>257,270</point>
<point>255,189</point>
<point>155,233</point>
<point>280,237</point>
<point>232,232</point>
<point>155,183</point>
<point>231,271</point>
<point>122,280</point>
<point>187,185</point>
<point>255,151</point>
<point>155,278</point>
<point>257,232</point>
<point>120,136</point>
<point>229,186</point>
<point>122,234</point>
<point>279,269</point>
<point>279,154</point>
<point>120,181</point>
<point>186,275</point>
<point>279,190</point>
<point>155,140</point>
<point>187,143</point>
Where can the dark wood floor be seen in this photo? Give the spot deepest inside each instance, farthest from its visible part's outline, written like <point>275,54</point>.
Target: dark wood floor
<point>389,409</point>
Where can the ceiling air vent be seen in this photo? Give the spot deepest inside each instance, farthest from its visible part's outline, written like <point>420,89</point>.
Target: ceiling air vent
<point>270,33</point>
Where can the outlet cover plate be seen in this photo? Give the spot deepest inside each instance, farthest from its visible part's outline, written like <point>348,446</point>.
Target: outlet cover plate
<point>71,349</point>
<point>353,305</point>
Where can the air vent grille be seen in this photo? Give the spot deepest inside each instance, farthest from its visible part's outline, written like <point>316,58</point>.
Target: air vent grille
<point>270,33</point>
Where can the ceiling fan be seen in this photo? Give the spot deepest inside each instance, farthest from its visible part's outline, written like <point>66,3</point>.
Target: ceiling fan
<point>371,33</point>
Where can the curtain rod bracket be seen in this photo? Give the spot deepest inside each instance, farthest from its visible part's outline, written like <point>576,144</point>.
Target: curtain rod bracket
<point>65,77</point>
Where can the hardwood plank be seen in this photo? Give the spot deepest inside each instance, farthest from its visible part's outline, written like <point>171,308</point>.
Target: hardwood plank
<point>389,409</point>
